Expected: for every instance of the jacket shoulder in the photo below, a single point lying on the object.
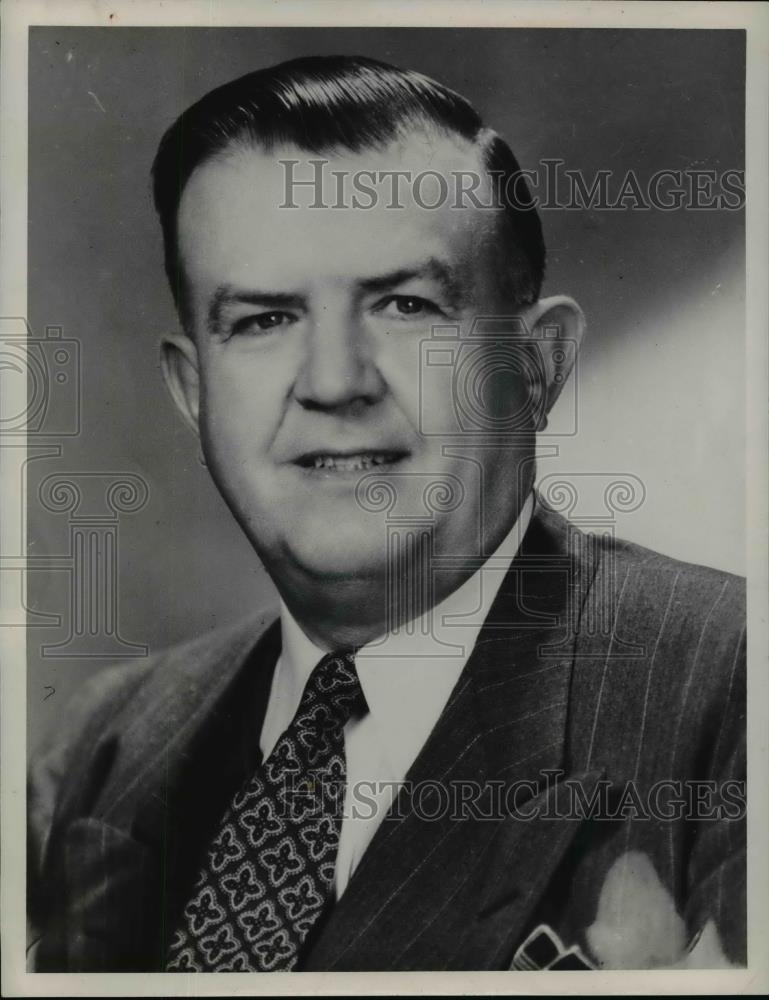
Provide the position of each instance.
(663, 636)
(110, 693)
(632, 578)
(660, 661)
(117, 705)
(687, 589)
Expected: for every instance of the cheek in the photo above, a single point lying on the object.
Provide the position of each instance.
(242, 402)
(401, 362)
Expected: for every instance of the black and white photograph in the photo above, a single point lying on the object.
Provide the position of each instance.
(384, 546)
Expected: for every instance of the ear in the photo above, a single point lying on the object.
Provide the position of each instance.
(557, 326)
(179, 364)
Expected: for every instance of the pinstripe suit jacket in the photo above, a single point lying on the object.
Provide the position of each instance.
(604, 675)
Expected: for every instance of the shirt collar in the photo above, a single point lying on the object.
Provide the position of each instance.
(407, 675)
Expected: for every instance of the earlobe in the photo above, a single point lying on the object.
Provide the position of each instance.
(557, 325)
(179, 365)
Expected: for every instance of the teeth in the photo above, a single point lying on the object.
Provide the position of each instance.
(350, 463)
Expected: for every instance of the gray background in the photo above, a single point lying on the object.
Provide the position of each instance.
(662, 370)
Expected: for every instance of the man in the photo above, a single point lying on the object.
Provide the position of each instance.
(475, 738)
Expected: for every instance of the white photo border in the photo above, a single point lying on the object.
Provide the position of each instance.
(17, 17)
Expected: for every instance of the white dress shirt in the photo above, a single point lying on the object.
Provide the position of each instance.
(406, 677)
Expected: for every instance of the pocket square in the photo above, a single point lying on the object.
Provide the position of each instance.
(637, 925)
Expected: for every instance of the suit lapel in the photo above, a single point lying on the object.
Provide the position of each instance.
(176, 716)
(418, 898)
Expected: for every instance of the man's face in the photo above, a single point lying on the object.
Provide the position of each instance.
(309, 326)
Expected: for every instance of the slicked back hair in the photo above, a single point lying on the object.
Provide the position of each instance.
(323, 104)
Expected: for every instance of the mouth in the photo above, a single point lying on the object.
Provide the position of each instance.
(349, 462)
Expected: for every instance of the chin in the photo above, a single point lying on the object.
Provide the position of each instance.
(337, 556)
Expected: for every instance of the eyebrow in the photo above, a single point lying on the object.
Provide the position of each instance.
(431, 269)
(228, 295)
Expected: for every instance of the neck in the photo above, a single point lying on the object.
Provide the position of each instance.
(354, 612)
(351, 611)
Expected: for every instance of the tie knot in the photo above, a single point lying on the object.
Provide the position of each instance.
(334, 683)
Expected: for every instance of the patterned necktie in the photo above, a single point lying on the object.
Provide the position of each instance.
(270, 868)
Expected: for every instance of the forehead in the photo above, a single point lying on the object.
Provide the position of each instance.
(235, 222)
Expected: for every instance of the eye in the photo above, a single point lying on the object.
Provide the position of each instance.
(407, 307)
(263, 322)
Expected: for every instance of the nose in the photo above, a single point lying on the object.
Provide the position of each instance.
(338, 368)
